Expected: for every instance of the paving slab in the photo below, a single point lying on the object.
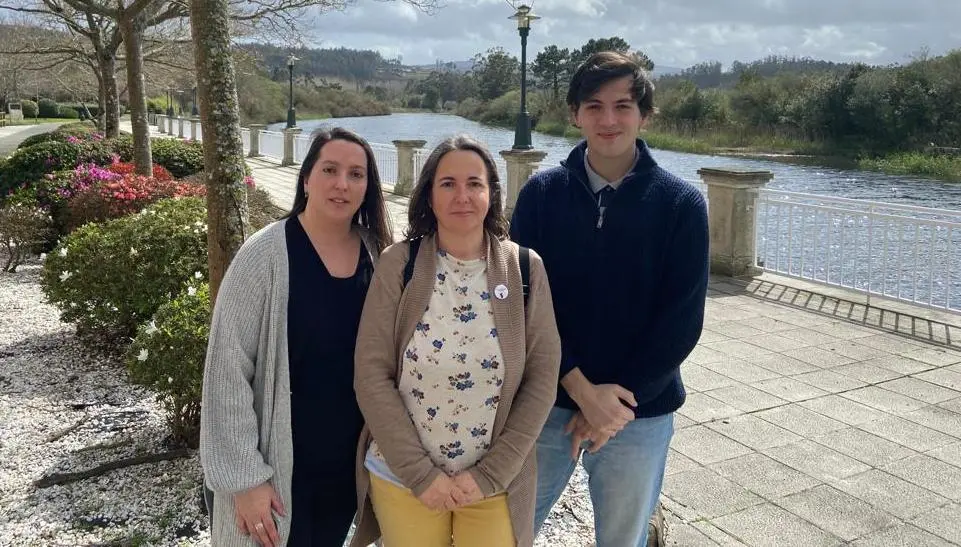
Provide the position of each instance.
(936, 475)
(768, 525)
(817, 460)
(764, 476)
(889, 493)
(865, 447)
(836, 512)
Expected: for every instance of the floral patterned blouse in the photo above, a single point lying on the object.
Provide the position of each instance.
(452, 370)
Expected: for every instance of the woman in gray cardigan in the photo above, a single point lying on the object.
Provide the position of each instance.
(279, 421)
(456, 369)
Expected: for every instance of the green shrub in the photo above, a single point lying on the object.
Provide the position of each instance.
(32, 163)
(157, 105)
(23, 229)
(181, 158)
(29, 108)
(84, 130)
(48, 108)
(122, 146)
(70, 112)
(109, 278)
(502, 110)
(167, 356)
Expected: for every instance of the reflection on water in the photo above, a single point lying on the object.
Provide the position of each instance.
(799, 176)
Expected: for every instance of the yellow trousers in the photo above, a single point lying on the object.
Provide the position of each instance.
(406, 522)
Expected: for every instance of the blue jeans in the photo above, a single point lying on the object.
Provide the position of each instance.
(625, 476)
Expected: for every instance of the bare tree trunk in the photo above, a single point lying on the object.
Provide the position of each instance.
(132, 30)
(110, 100)
(223, 148)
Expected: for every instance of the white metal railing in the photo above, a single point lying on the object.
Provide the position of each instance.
(386, 157)
(901, 252)
(244, 139)
(420, 157)
(301, 147)
(272, 144)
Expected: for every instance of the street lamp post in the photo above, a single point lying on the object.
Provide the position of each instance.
(522, 133)
(170, 102)
(291, 113)
(194, 111)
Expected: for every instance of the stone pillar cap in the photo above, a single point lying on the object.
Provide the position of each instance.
(412, 143)
(257, 125)
(736, 174)
(534, 155)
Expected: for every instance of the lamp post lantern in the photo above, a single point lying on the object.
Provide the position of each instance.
(291, 113)
(522, 132)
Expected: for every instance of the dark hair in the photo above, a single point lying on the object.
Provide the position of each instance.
(373, 211)
(420, 217)
(606, 66)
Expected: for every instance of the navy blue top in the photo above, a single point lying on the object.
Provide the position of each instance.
(323, 313)
(629, 291)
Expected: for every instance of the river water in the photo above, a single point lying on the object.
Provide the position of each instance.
(850, 183)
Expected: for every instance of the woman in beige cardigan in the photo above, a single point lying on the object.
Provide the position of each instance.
(455, 368)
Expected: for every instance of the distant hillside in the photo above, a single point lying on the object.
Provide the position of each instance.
(710, 74)
(359, 67)
(457, 66)
(661, 71)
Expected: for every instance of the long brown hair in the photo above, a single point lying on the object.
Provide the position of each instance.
(420, 217)
(373, 210)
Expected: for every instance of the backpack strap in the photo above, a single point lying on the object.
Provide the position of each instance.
(414, 247)
(524, 257)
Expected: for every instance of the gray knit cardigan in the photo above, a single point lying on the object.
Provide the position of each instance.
(245, 436)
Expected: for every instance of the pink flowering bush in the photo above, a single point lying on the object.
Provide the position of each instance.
(97, 194)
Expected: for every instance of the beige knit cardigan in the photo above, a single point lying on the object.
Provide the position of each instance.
(531, 349)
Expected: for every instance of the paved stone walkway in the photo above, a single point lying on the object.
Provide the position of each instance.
(810, 419)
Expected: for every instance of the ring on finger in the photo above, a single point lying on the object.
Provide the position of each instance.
(259, 527)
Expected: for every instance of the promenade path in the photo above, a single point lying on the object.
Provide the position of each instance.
(811, 419)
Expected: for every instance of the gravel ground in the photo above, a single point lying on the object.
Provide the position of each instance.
(48, 384)
(64, 408)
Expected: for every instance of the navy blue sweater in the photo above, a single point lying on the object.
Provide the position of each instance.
(629, 296)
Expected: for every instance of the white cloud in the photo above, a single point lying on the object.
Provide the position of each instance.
(671, 32)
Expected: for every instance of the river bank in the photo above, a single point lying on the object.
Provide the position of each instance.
(940, 167)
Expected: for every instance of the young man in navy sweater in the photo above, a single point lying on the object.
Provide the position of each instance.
(625, 244)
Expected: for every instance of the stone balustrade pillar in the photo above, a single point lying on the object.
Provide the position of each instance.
(732, 207)
(180, 131)
(194, 123)
(406, 175)
(289, 144)
(170, 125)
(162, 123)
(255, 129)
(521, 164)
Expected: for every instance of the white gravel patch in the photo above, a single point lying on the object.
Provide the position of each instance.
(49, 382)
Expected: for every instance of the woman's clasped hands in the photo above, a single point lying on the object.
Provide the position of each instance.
(447, 493)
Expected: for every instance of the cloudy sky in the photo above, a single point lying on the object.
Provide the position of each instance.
(676, 33)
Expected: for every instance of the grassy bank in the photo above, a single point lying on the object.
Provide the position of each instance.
(37, 121)
(913, 163)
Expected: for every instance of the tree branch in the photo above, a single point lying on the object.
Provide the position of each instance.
(66, 478)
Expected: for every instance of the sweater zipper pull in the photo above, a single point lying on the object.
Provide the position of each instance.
(600, 218)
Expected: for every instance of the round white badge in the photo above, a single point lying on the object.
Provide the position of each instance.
(500, 292)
